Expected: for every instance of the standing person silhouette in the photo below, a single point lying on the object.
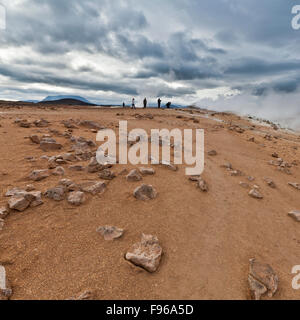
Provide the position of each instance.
(145, 103)
(133, 104)
(159, 102)
(123, 104)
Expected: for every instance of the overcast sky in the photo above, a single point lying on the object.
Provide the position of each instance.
(225, 53)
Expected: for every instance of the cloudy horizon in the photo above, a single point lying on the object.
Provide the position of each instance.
(227, 54)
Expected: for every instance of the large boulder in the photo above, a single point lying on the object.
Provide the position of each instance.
(146, 254)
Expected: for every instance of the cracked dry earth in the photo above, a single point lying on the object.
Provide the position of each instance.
(208, 235)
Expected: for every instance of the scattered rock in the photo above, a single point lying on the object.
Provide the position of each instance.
(59, 171)
(56, 193)
(93, 187)
(227, 166)
(202, 185)
(70, 124)
(49, 144)
(19, 203)
(106, 174)
(262, 279)
(147, 171)
(146, 254)
(36, 198)
(110, 233)
(95, 166)
(91, 125)
(244, 185)
(30, 187)
(77, 168)
(5, 290)
(3, 212)
(86, 295)
(275, 155)
(270, 183)
(145, 192)
(24, 124)
(134, 175)
(212, 153)
(294, 185)
(76, 198)
(38, 175)
(295, 215)
(169, 166)
(236, 173)
(35, 138)
(41, 123)
(13, 192)
(254, 193)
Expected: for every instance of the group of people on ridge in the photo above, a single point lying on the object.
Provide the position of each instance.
(145, 102)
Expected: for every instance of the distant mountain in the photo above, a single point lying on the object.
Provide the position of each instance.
(68, 101)
(30, 101)
(55, 98)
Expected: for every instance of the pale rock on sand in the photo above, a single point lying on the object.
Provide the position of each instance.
(294, 185)
(86, 295)
(3, 212)
(38, 175)
(145, 192)
(169, 165)
(1, 224)
(110, 233)
(146, 254)
(202, 185)
(76, 198)
(29, 187)
(262, 279)
(134, 175)
(93, 187)
(5, 290)
(18, 203)
(147, 171)
(254, 193)
(295, 215)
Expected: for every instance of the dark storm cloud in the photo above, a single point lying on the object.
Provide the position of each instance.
(199, 44)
